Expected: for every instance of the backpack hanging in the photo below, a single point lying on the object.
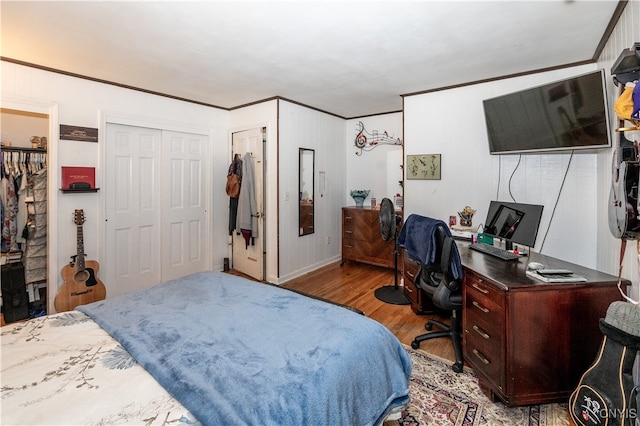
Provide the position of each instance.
(233, 178)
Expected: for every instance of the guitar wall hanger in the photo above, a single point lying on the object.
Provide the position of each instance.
(627, 67)
(74, 258)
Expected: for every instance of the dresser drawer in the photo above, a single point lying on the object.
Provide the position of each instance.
(361, 238)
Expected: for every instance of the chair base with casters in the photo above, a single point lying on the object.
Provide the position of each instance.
(452, 331)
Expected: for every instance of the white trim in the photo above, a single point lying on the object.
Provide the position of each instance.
(271, 239)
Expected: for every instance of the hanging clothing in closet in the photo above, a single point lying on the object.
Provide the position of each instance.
(234, 168)
(23, 209)
(35, 260)
(247, 221)
(11, 175)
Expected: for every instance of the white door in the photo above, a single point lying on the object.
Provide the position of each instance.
(132, 211)
(155, 207)
(183, 204)
(248, 257)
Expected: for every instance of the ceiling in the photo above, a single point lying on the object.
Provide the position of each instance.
(350, 59)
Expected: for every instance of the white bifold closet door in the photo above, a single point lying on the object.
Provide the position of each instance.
(155, 207)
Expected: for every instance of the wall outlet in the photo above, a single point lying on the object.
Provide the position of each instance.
(286, 196)
(328, 240)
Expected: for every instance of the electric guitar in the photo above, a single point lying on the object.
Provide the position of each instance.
(81, 285)
(624, 218)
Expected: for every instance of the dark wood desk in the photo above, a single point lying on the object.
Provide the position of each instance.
(530, 341)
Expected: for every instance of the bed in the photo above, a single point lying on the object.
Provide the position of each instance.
(209, 348)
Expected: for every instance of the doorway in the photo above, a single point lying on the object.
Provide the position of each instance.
(248, 254)
(155, 206)
(25, 245)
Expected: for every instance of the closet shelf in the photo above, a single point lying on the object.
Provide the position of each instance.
(23, 149)
(76, 191)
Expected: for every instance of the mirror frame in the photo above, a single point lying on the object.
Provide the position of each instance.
(306, 199)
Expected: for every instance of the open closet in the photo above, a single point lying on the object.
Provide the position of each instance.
(23, 214)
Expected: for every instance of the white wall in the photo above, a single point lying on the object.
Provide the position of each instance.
(451, 123)
(302, 127)
(379, 169)
(17, 128)
(82, 102)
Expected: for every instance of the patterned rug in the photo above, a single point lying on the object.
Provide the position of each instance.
(441, 397)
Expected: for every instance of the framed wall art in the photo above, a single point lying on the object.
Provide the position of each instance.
(426, 166)
(77, 133)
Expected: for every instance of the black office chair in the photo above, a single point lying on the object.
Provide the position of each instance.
(437, 283)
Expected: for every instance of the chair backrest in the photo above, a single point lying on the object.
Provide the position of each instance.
(436, 280)
(430, 274)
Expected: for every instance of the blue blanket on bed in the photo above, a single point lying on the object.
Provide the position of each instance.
(233, 351)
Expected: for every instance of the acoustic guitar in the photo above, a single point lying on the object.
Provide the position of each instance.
(624, 217)
(81, 284)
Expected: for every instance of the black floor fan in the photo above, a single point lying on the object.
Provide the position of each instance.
(389, 223)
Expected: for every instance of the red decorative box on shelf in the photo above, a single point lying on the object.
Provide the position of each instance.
(78, 178)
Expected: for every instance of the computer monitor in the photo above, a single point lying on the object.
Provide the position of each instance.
(515, 222)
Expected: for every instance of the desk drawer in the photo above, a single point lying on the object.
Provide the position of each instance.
(412, 293)
(483, 293)
(411, 268)
(420, 304)
(482, 311)
(485, 355)
(483, 323)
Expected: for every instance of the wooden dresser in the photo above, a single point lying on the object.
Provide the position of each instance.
(528, 341)
(361, 239)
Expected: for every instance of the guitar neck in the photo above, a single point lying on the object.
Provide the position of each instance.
(80, 255)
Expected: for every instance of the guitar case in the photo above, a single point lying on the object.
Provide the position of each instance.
(15, 300)
(606, 394)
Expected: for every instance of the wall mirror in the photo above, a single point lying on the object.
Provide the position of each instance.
(306, 194)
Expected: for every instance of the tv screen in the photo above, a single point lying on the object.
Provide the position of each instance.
(516, 222)
(565, 115)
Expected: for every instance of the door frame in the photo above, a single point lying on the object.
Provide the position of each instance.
(114, 117)
(262, 229)
(50, 109)
(270, 195)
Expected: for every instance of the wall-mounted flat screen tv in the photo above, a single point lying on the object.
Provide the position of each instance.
(564, 115)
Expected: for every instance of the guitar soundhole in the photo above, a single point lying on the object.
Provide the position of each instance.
(81, 276)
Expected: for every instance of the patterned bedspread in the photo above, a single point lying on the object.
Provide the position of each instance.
(64, 369)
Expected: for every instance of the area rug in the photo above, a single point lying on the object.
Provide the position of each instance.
(441, 397)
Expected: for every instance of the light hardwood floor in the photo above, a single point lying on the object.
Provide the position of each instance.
(354, 284)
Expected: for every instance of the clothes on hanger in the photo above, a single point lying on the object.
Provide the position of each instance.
(247, 220)
(234, 168)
